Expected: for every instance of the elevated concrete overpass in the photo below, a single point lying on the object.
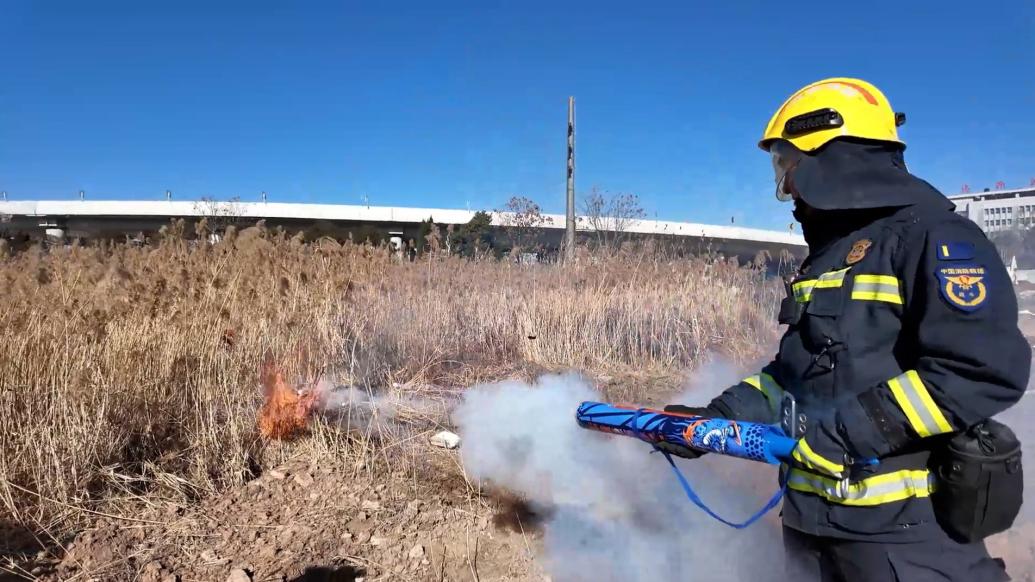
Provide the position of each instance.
(92, 219)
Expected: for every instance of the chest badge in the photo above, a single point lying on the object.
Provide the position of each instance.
(859, 249)
(964, 287)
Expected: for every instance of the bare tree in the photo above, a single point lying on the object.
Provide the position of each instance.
(218, 216)
(522, 220)
(610, 216)
(1016, 241)
(1009, 243)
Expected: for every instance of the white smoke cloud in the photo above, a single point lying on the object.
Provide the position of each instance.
(617, 511)
(363, 408)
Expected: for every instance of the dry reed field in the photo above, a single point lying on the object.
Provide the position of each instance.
(134, 375)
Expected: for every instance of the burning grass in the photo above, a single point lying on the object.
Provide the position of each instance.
(136, 375)
(285, 410)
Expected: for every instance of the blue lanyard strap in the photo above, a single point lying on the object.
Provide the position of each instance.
(773, 501)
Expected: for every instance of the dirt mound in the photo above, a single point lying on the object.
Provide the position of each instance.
(307, 521)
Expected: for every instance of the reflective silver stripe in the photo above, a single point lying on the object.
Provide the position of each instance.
(832, 279)
(915, 401)
(876, 288)
(876, 490)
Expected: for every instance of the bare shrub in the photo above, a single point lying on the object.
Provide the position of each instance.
(522, 221)
(610, 217)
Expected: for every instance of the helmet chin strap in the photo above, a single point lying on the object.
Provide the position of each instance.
(802, 211)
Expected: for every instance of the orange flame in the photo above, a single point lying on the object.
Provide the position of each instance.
(286, 410)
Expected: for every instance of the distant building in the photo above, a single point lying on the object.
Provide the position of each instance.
(998, 210)
(61, 220)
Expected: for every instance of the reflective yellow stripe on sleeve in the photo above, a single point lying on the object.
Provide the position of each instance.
(877, 490)
(915, 401)
(803, 290)
(767, 385)
(830, 280)
(804, 454)
(876, 288)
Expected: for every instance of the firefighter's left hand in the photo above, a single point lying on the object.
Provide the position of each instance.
(678, 450)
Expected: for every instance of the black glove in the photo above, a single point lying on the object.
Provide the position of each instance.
(681, 451)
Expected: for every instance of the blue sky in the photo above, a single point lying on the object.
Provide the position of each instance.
(462, 104)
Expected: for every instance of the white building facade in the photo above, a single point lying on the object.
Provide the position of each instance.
(999, 210)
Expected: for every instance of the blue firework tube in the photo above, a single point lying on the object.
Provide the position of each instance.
(746, 440)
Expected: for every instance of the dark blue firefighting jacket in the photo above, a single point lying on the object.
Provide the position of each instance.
(898, 334)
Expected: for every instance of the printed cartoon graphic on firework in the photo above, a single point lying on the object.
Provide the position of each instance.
(714, 438)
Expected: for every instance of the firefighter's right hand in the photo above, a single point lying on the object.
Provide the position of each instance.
(678, 450)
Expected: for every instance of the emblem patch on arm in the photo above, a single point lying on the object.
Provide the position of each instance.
(963, 286)
(858, 251)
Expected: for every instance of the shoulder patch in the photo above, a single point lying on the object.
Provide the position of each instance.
(963, 286)
(858, 251)
(955, 251)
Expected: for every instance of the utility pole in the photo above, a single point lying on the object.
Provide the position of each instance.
(569, 234)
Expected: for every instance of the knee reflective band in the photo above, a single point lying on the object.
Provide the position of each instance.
(875, 490)
(831, 280)
(916, 402)
(768, 386)
(877, 288)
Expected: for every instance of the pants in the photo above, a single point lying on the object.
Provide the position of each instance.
(817, 559)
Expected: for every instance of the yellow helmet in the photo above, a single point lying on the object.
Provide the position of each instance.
(833, 108)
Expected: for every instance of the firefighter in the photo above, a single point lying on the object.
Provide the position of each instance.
(901, 334)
